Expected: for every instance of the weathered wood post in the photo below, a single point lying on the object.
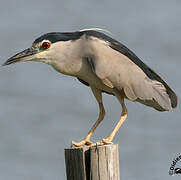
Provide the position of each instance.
(92, 163)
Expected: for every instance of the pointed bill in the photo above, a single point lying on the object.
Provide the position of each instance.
(26, 55)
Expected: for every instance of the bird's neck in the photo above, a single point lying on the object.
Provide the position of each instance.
(70, 57)
(72, 61)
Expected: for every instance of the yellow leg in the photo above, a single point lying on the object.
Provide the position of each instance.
(86, 140)
(124, 115)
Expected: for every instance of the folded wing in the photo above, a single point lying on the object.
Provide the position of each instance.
(139, 83)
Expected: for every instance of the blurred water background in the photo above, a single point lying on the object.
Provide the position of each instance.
(41, 111)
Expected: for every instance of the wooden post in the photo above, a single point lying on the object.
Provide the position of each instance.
(92, 163)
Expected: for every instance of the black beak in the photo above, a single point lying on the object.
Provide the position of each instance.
(26, 55)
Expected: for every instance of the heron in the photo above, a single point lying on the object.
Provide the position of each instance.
(106, 66)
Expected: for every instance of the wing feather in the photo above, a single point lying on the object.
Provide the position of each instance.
(120, 48)
(117, 71)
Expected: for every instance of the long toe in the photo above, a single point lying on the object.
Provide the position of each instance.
(107, 141)
(81, 143)
(103, 142)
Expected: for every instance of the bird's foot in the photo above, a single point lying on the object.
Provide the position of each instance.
(89, 143)
(107, 141)
(103, 142)
(81, 143)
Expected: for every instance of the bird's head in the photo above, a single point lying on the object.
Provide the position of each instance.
(47, 48)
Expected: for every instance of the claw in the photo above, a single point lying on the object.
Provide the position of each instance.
(103, 142)
(89, 143)
(81, 143)
(107, 141)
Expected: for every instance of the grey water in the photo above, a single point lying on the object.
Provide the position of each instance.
(42, 111)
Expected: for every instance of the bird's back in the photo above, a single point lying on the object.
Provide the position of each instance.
(117, 46)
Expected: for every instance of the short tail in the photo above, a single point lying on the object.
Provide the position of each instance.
(157, 95)
(172, 96)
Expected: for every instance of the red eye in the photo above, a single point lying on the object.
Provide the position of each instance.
(45, 45)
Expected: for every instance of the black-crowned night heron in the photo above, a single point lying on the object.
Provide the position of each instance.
(105, 65)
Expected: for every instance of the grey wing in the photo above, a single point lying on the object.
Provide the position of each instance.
(118, 71)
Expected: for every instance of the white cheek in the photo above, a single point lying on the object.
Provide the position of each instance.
(64, 50)
(43, 57)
